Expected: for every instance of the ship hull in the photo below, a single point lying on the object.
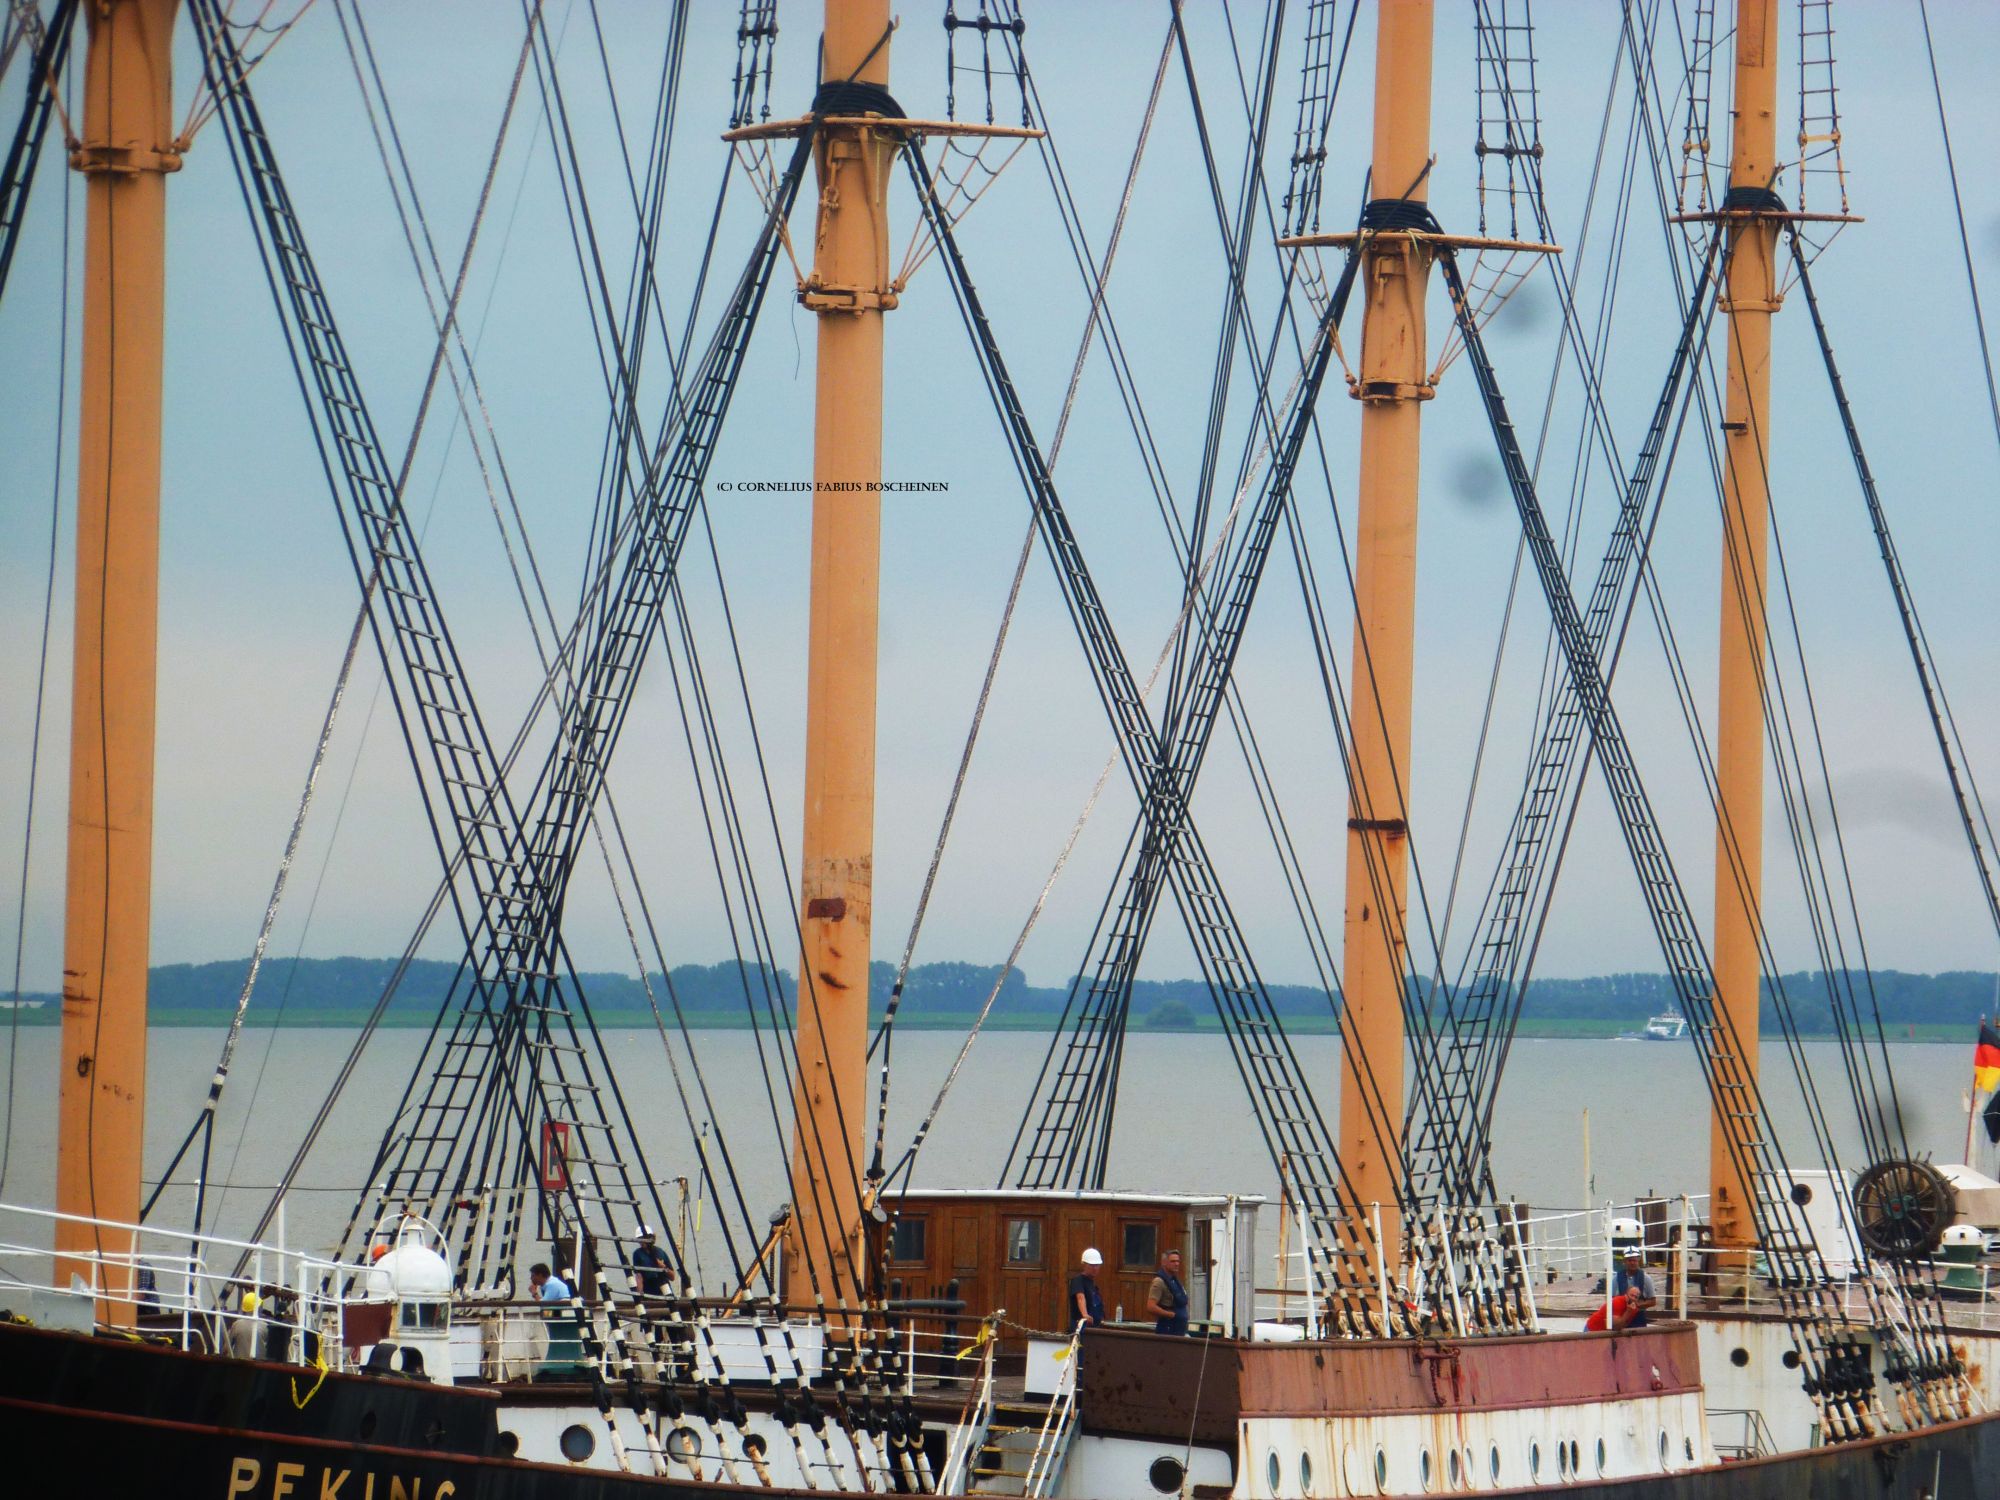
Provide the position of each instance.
(90, 1417)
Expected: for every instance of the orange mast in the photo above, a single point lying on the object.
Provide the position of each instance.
(849, 289)
(1746, 507)
(1394, 372)
(126, 151)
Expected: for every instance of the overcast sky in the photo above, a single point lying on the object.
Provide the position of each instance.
(258, 599)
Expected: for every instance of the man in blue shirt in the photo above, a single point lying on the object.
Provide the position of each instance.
(1086, 1298)
(1632, 1285)
(1167, 1297)
(547, 1286)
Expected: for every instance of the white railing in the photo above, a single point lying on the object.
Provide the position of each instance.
(170, 1282)
(978, 1416)
(1571, 1247)
(1052, 1442)
(1756, 1440)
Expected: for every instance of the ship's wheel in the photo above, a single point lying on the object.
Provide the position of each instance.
(1902, 1208)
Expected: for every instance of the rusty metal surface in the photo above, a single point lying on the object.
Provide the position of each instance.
(1153, 1384)
(1476, 1375)
(1143, 1383)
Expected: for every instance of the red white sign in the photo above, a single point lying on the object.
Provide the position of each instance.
(555, 1156)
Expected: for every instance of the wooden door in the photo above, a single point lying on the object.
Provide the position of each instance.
(1031, 1274)
(1200, 1269)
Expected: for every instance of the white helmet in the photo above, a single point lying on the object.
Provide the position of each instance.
(1092, 1258)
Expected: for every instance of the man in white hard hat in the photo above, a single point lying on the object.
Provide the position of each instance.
(1635, 1287)
(649, 1264)
(1086, 1299)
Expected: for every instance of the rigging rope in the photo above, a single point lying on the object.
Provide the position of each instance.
(847, 94)
(1099, 287)
(559, 668)
(205, 1121)
(49, 57)
(1958, 208)
(1385, 215)
(41, 683)
(1135, 413)
(1951, 745)
(1082, 1140)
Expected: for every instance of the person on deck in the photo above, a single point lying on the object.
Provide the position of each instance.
(547, 1286)
(244, 1335)
(1167, 1297)
(1086, 1298)
(1607, 1316)
(1637, 1291)
(649, 1264)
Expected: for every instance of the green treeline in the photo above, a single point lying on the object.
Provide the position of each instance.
(950, 994)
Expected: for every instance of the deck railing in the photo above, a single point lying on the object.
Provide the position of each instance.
(971, 1430)
(170, 1282)
(1567, 1248)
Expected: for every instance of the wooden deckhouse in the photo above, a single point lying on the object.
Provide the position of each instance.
(1014, 1251)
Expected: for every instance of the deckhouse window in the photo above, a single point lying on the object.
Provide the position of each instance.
(1141, 1250)
(426, 1314)
(1024, 1242)
(906, 1240)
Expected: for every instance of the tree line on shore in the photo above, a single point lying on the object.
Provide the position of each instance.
(951, 993)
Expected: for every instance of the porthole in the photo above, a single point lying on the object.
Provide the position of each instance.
(1802, 1193)
(1305, 1473)
(1790, 1359)
(507, 1444)
(1273, 1472)
(1562, 1460)
(1381, 1467)
(1688, 1443)
(1471, 1470)
(754, 1446)
(1452, 1473)
(1575, 1457)
(1493, 1463)
(577, 1443)
(1534, 1462)
(1424, 1468)
(1665, 1462)
(683, 1443)
(1600, 1455)
(1739, 1356)
(1166, 1475)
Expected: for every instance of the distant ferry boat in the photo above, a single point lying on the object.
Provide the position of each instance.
(1668, 1028)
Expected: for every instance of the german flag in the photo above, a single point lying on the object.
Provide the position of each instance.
(1986, 1058)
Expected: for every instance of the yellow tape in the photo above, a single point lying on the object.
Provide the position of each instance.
(319, 1359)
(984, 1336)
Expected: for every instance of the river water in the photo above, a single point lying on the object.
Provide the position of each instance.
(1184, 1123)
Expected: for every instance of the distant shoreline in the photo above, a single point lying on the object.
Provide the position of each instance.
(48, 1016)
(342, 993)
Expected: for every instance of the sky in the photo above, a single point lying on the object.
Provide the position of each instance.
(258, 598)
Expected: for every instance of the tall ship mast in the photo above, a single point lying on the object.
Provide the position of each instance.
(125, 154)
(546, 1283)
(849, 289)
(1394, 384)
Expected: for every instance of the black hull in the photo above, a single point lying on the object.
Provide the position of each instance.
(90, 1419)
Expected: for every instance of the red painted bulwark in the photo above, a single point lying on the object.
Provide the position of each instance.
(1143, 1384)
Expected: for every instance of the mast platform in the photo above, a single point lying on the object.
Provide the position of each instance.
(785, 129)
